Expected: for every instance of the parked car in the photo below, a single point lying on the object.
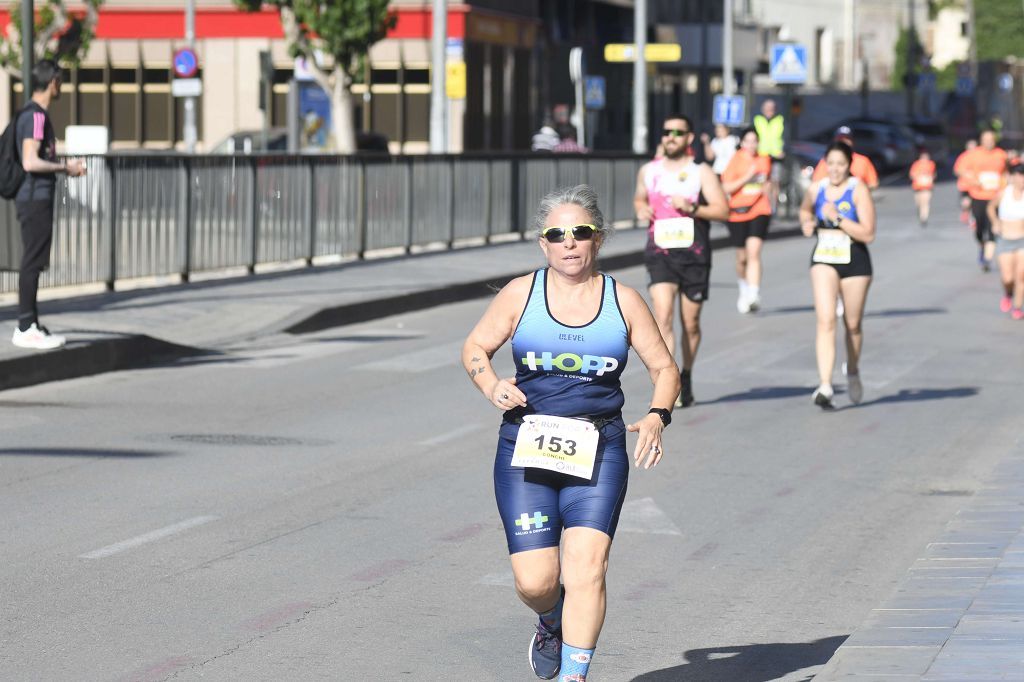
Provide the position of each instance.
(890, 146)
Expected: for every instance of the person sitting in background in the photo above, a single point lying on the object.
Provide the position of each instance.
(567, 143)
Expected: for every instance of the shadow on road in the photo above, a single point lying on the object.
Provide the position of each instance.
(80, 452)
(749, 663)
(763, 393)
(910, 395)
(890, 312)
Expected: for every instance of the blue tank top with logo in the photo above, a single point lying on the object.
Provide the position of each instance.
(844, 205)
(570, 371)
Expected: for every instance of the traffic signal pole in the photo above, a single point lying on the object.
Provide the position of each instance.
(28, 40)
(640, 78)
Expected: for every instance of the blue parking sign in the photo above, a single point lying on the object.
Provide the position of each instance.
(593, 92)
(730, 110)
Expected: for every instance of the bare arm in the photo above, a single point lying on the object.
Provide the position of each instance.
(717, 207)
(646, 340)
(31, 162)
(735, 185)
(808, 221)
(641, 205)
(993, 212)
(490, 334)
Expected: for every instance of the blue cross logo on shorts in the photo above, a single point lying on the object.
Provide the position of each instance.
(538, 520)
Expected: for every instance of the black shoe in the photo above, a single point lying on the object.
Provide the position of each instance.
(686, 393)
(823, 399)
(546, 652)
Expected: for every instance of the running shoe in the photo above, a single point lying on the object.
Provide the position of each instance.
(743, 303)
(38, 337)
(823, 397)
(755, 304)
(840, 308)
(1017, 314)
(854, 387)
(1005, 304)
(686, 394)
(546, 652)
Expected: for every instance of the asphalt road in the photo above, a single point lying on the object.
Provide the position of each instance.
(320, 506)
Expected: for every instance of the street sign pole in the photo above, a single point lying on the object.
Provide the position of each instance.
(28, 40)
(640, 78)
(576, 75)
(438, 96)
(727, 68)
(190, 133)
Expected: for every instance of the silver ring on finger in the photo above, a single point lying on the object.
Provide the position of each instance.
(655, 449)
(504, 396)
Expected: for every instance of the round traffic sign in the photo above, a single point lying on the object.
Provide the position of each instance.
(185, 63)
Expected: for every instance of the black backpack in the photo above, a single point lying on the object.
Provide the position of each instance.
(12, 173)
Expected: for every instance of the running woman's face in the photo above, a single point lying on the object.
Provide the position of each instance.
(749, 143)
(571, 256)
(676, 138)
(988, 140)
(838, 167)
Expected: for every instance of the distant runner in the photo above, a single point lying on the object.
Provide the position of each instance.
(962, 184)
(862, 168)
(1006, 211)
(922, 180)
(747, 183)
(840, 211)
(983, 169)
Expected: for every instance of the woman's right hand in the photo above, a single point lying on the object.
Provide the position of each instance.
(505, 395)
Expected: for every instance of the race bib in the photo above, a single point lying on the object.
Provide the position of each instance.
(560, 444)
(674, 233)
(752, 188)
(989, 180)
(925, 181)
(833, 247)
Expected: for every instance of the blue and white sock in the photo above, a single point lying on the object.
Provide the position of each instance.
(575, 663)
(552, 620)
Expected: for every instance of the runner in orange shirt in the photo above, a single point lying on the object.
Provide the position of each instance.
(922, 180)
(862, 168)
(983, 169)
(747, 183)
(961, 182)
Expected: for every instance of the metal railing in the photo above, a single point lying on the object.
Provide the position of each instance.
(135, 216)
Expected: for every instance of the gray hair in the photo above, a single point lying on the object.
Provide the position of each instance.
(581, 195)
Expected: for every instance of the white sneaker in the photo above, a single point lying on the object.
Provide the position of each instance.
(854, 387)
(822, 397)
(38, 337)
(754, 300)
(743, 303)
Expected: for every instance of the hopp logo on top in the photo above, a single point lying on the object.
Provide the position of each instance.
(570, 362)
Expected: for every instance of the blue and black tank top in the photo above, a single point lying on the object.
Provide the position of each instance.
(571, 371)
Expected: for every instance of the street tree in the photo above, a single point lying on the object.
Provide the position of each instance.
(334, 37)
(60, 34)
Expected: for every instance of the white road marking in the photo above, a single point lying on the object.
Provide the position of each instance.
(452, 435)
(644, 516)
(151, 536)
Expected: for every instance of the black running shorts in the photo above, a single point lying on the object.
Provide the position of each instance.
(674, 267)
(739, 231)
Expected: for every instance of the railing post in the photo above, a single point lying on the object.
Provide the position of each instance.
(254, 222)
(489, 201)
(111, 223)
(514, 203)
(409, 208)
(362, 220)
(185, 210)
(451, 202)
(311, 210)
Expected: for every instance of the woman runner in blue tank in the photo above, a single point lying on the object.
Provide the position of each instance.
(840, 212)
(561, 461)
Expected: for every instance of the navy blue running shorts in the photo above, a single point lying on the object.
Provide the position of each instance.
(535, 504)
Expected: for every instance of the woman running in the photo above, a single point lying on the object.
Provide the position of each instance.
(561, 461)
(1007, 214)
(839, 210)
(922, 180)
(747, 183)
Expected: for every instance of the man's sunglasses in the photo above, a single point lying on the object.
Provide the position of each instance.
(674, 132)
(556, 233)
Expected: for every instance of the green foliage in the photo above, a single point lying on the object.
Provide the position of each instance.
(343, 29)
(945, 78)
(59, 34)
(899, 70)
(999, 25)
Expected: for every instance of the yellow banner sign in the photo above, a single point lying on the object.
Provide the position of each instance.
(455, 80)
(653, 52)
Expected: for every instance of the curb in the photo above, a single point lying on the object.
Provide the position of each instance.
(138, 350)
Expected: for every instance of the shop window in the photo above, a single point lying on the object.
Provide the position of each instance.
(121, 75)
(157, 123)
(417, 117)
(60, 112)
(417, 76)
(123, 126)
(384, 110)
(384, 76)
(90, 76)
(156, 76)
(90, 108)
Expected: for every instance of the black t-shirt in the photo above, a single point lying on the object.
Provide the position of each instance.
(34, 124)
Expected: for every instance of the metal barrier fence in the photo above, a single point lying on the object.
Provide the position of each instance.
(149, 215)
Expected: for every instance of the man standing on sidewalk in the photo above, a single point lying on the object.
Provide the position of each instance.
(771, 129)
(37, 145)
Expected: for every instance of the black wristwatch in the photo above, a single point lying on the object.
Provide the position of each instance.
(666, 416)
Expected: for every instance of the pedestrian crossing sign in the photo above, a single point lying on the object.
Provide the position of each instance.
(789, 63)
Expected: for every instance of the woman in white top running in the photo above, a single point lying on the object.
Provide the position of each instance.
(1006, 211)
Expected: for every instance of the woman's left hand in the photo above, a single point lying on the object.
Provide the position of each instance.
(648, 444)
(829, 212)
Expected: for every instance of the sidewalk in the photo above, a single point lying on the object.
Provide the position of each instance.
(123, 330)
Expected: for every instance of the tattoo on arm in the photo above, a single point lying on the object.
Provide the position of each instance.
(476, 371)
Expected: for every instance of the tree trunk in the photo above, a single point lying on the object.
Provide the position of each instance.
(341, 114)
